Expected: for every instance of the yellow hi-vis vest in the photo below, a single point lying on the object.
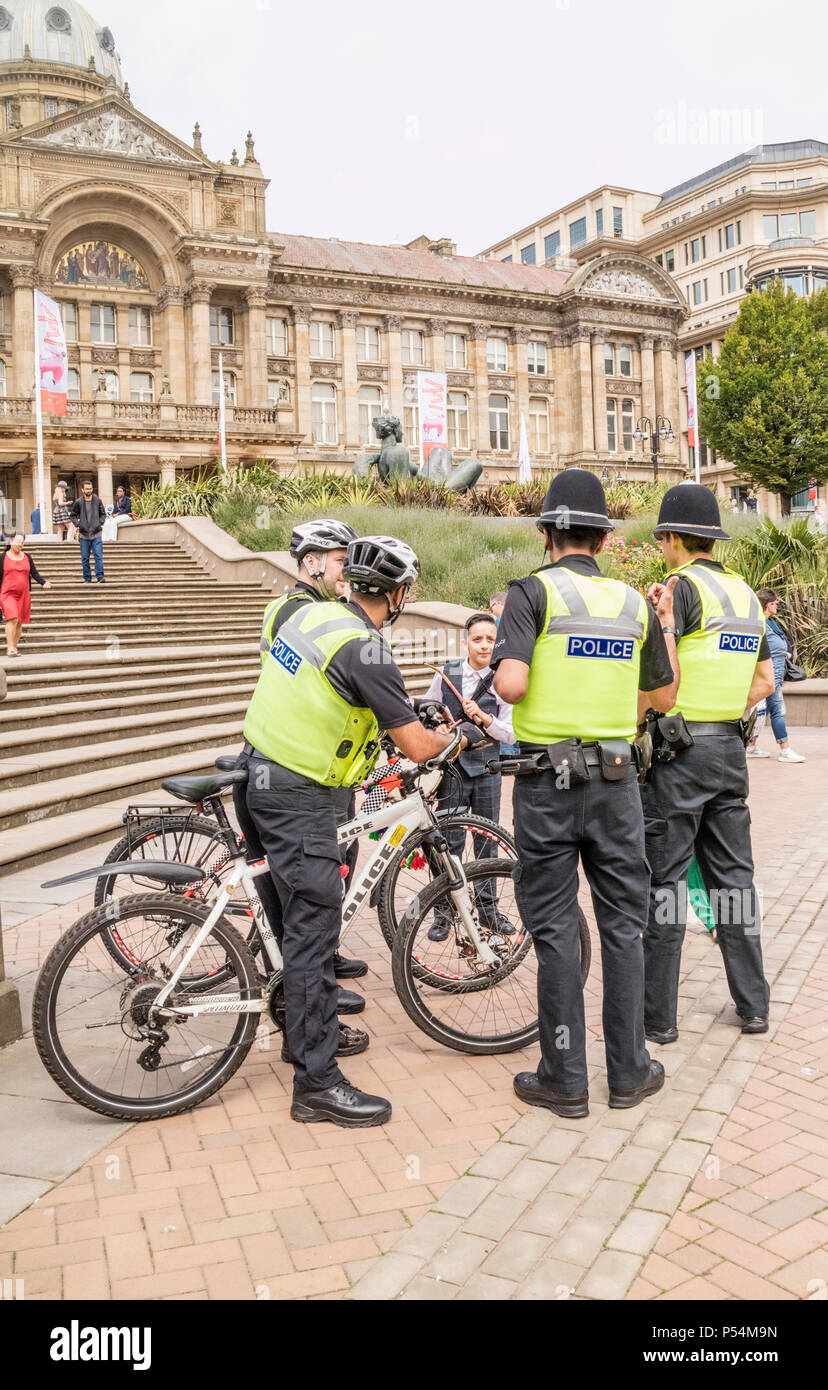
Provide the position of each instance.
(296, 600)
(295, 717)
(718, 661)
(583, 679)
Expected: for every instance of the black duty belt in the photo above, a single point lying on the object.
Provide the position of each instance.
(590, 751)
(700, 729)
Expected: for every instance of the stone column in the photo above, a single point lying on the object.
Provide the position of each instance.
(23, 280)
(256, 346)
(520, 337)
(480, 440)
(436, 351)
(648, 396)
(599, 392)
(304, 414)
(201, 360)
(666, 389)
(350, 378)
(560, 407)
(581, 369)
(396, 399)
(172, 340)
(168, 463)
(104, 464)
(11, 1023)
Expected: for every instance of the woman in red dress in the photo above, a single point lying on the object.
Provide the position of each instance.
(16, 574)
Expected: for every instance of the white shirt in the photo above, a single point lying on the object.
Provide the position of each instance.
(501, 725)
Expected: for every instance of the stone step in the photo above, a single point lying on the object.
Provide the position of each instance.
(23, 713)
(35, 788)
(252, 609)
(41, 734)
(80, 685)
(152, 637)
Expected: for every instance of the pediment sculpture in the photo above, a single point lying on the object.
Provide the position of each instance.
(622, 282)
(111, 132)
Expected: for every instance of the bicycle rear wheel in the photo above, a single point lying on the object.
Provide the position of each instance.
(95, 1027)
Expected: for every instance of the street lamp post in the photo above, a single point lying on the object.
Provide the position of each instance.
(644, 430)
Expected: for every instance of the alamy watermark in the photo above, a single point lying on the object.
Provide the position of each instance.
(708, 125)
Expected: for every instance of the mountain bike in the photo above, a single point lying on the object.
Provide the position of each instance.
(162, 1033)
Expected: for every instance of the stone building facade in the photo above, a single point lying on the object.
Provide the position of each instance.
(161, 260)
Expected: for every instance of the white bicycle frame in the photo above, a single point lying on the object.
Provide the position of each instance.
(398, 819)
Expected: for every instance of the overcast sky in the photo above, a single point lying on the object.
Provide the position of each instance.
(379, 121)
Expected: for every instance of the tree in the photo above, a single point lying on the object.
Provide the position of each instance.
(763, 404)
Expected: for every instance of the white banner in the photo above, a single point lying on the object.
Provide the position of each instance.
(692, 407)
(222, 415)
(432, 402)
(52, 357)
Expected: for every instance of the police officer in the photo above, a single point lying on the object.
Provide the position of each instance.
(326, 688)
(573, 650)
(698, 796)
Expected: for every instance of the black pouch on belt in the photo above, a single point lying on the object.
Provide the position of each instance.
(616, 758)
(567, 759)
(674, 732)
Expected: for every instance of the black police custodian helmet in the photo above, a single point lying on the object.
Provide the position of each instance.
(690, 510)
(575, 498)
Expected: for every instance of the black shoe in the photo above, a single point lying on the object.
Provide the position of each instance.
(530, 1089)
(101, 580)
(439, 931)
(498, 924)
(351, 1041)
(661, 1035)
(625, 1100)
(349, 1002)
(341, 1104)
(345, 969)
(759, 1024)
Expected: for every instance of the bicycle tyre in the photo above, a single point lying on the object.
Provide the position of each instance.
(389, 916)
(59, 961)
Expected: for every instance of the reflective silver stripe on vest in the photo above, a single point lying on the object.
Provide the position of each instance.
(734, 625)
(332, 625)
(579, 622)
(300, 643)
(755, 622)
(717, 589)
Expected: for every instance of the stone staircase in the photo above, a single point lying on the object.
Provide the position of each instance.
(118, 686)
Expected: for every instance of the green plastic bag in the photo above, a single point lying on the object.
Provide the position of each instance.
(697, 896)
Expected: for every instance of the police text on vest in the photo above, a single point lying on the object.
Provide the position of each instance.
(610, 648)
(738, 642)
(286, 656)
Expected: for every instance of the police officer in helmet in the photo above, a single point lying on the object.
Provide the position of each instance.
(696, 795)
(574, 648)
(327, 687)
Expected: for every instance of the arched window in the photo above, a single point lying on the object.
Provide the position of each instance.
(458, 420)
(323, 402)
(499, 422)
(370, 405)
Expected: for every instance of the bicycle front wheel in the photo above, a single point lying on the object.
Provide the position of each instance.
(96, 1027)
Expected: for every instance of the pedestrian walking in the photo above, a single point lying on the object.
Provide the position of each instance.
(61, 512)
(695, 799)
(574, 649)
(781, 651)
(17, 570)
(89, 514)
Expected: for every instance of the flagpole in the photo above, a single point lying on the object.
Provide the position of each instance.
(222, 416)
(45, 517)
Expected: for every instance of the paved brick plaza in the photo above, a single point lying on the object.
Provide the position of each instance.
(716, 1188)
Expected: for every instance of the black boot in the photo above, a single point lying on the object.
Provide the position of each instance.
(340, 1104)
(531, 1089)
(625, 1100)
(345, 969)
(349, 1002)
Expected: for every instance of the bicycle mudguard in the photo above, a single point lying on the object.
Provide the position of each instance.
(164, 871)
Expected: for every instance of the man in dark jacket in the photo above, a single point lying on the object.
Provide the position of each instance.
(89, 515)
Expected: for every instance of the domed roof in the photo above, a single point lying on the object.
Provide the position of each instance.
(65, 33)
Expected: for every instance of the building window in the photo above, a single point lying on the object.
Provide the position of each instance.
(106, 384)
(609, 359)
(73, 384)
(322, 340)
(50, 108)
(12, 112)
(497, 356)
(221, 326)
(413, 347)
(612, 427)
(770, 226)
(538, 425)
(276, 331)
(323, 402)
(140, 386)
(458, 420)
(370, 406)
(786, 183)
(552, 245)
(577, 233)
(367, 343)
(102, 323)
(768, 185)
(618, 221)
(276, 392)
(695, 249)
(411, 427)
(731, 281)
(499, 422)
(669, 260)
(2, 377)
(803, 183)
(659, 260)
(796, 282)
(625, 361)
(699, 291)
(69, 318)
(738, 233)
(229, 388)
(788, 224)
(536, 358)
(140, 327)
(807, 223)
(507, 260)
(455, 350)
(528, 255)
(729, 236)
(627, 426)
(599, 222)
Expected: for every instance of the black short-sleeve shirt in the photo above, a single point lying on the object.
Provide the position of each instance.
(687, 605)
(366, 674)
(524, 616)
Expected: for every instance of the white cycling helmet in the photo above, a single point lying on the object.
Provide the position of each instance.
(320, 536)
(380, 564)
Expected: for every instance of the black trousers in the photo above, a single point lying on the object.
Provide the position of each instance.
(698, 803)
(295, 824)
(481, 795)
(601, 824)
